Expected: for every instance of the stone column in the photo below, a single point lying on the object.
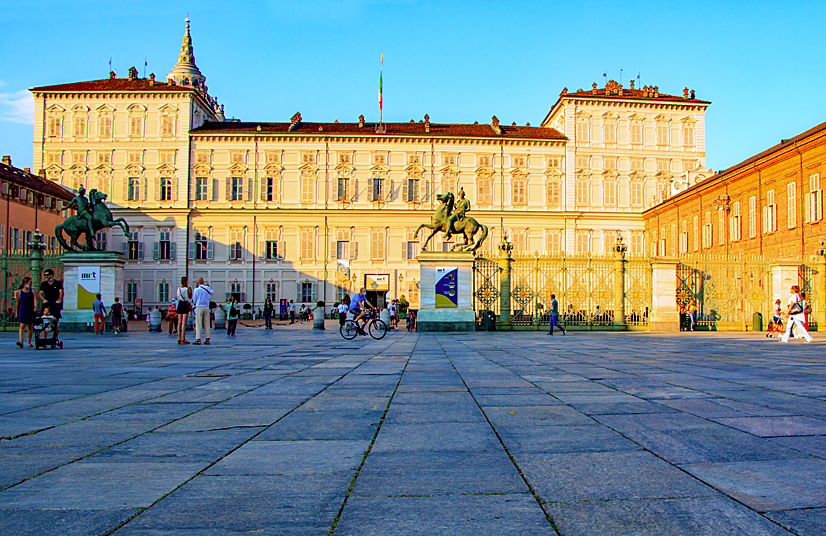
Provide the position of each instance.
(36, 247)
(505, 261)
(664, 315)
(437, 314)
(619, 284)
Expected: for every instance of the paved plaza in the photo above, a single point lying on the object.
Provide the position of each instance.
(296, 432)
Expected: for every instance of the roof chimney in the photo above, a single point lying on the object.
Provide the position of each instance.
(656, 91)
(361, 121)
(631, 83)
(294, 121)
(111, 74)
(151, 79)
(594, 88)
(692, 94)
(133, 73)
(564, 91)
(42, 173)
(7, 160)
(28, 170)
(494, 123)
(685, 93)
(426, 123)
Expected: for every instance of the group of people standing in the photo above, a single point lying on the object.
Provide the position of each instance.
(50, 296)
(196, 302)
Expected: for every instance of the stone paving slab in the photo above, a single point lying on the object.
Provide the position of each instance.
(465, 433)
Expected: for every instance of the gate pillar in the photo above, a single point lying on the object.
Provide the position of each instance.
(820, 288)
(619, 284)
(783, 277)
(505, 261)
(664, 315)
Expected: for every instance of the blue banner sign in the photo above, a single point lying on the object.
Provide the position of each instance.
(447, 288)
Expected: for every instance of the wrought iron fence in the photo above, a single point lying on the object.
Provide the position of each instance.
(14, 269)
(485, 288)
(808, 274)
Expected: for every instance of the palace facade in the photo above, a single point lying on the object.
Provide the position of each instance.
(310, 211)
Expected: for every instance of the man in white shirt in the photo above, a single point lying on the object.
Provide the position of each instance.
(200, 297)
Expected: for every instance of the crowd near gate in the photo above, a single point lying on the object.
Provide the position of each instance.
(616, 291)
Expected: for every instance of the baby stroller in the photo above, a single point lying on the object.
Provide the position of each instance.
(45, 334)
(775, 328)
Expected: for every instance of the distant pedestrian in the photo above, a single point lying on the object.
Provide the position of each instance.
(51, 293)
(117, 315)
(149, 318)
(342, 313)
(25, 302)
(555, 316)
(302, 313)
(796, 316)
(201, 296)
(692, 313)
(183, 306)
(100, 314)
(292, 312)
(268, 312)
(172, 317)
(232, 316)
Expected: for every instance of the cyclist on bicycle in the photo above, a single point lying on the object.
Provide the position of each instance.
(357, 311)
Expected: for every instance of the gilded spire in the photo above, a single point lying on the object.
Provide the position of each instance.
(185, 72)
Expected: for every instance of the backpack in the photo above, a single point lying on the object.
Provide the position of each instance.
(233, 311)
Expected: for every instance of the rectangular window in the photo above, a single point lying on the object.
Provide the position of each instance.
(721, 227)
(164, 244)
(553, 241)
(131, 292)
(135, 126)
(519, 191)
(413, 292)
(134, 193)
(166, 125)
(752, 217)
(271, 290)
(236, 245)
(271, 249)
(688, 135)
(343, 189)
(308, 158)
(166, 189)
(342, 249)
(791, 205)
(610, 192)
(636, 244)
(636, 132)
(695, 232)
(582, 130)
(707, 231)
(80, 126)
(54, 127)
(583, 162)
(553, 193)
(662, 133)
(200, 188)
(269, 189)
(447, 246)
(583, 242)
(307, 244)
(102, 240)
(105, 124)
(684, 236)
(237, 189)
(163, 292)
(734, 222)
(484, 189)
(447, 160)
(582, 197)
(637, 164)
(308, 187)
(306, 292)
(201, 247)
(412, 250)
(814, 205)
(412, 190)
(377, 191)
(770, 213)
(637, 193)
(15, 242)
(379, 158)
(134, 247)
(609, 132)
(377, 244)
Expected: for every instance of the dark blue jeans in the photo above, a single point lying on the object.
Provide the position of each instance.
(554, 322)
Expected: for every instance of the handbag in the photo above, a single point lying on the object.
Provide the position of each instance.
(808, 309)
(796, 309)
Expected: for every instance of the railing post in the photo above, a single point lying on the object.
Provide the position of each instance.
(820, 288)
(619, 284)
(505, 261)
(36, 247)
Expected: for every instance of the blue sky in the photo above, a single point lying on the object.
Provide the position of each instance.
(456, 61)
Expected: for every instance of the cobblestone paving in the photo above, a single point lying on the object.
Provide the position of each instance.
(302, 433)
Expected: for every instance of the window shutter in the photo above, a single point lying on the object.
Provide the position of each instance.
(175, 188)
(124, 247)
(210, 189)
(298, 292)
(229, 188)
(155, 251)
(808, 203)
(818, 197)
(210, 250)
(404, 251)
(193, 190)
(144, 187)
(355, 190)
(263, 187)
(426, 191)
(315, 296)
(354, 250)
(281, 246)
(173, 251)
(370, 191)
(250, 186)
(389, 184)
(262, 249)
(158, 181)
(140, 250)
(333, 247)
(190, 252)
(406, 190)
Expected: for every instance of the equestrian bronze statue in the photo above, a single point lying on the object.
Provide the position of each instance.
(92, 216)
(450, 222)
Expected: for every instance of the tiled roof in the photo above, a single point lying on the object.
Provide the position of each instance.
(33, 182)
(391, 129)
(113, 84)
(634, 94)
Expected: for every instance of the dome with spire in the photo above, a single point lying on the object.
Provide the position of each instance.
(186, 73)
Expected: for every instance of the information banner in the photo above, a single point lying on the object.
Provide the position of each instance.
(447, 288)
(88, 284)
(377, 282)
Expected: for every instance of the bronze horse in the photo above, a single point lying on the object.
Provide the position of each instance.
(467, 226)
(74, 227)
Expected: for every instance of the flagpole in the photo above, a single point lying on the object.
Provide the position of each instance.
(380, 127)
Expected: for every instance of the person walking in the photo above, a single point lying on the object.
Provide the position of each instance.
(555, 316)
(342, 313)
(100, 314)
(292, 312)
(796, 316)
(302, 313)
(200, 296)
(268, 312)
(117, 315)
(172, 317)
(183, 306)
(51, 293)
(692, 313)
(25, 303)
(232, 316)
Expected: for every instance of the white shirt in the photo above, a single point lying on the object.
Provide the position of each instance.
(795, 298)
(391, 309)
(200, 296)
(342, 308)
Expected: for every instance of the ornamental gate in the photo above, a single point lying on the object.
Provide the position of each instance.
(808, 273)
(727, 291)
(15, 268)
(485, 287)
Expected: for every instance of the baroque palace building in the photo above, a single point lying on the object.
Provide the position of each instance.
(310, 211)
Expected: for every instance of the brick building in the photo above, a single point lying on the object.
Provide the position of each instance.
(28, 202)
(770, 204)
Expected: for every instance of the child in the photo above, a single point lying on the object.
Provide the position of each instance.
(48, 327)
(342, 313)
(47, 318)
(776, 325)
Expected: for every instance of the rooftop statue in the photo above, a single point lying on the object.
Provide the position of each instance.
(452, 219)
(92, 216)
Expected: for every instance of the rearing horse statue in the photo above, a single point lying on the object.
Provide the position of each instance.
(467, 226)
(76, 226)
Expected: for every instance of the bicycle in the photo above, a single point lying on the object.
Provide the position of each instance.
(375, 327)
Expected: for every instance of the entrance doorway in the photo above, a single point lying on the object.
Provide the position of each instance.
(377, 287)
(377, 298)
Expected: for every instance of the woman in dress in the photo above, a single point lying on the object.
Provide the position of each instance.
(182, 307)
(117, 315)
(25, 301)
(796, 316)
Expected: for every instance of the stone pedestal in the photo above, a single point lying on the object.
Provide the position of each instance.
(440, 314)
(80, 270)
(783, 277)
(664, 313)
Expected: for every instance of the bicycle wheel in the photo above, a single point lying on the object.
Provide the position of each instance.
(349, 330)
(378, 329)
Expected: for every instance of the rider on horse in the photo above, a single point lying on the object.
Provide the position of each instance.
(84, 209)
(459, 209)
